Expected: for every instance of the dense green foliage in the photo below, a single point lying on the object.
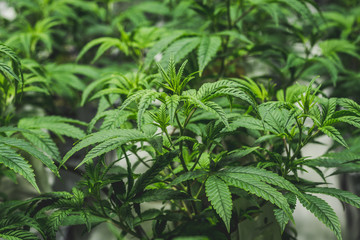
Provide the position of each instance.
(202, 106)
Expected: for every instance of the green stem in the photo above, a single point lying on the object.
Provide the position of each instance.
(244, 14)
(168, 137)
(142, 161)
(196, 162)
(199, 191)
(181, 143)
(188, 117)
(129, 171)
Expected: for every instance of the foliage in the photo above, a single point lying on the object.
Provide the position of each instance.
(204, 107)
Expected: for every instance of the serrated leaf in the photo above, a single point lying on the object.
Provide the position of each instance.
(247, 122)
(281, 217)
(18, 164)
(216, 108)
(350, 105)
(323, 212)
(134, 97)
(253, 185)
(238, 93)
(147, 178)
(188, 176)
(103, 136)
(18, 235)
(144, 103)
(28, 148)
(208, 106)
(160, 195)
(334, 134)
(106, 43)
(172, 103)
(56, 124)
(159, 47)
(330, 67)
(180, 48)
(236, 155)
(55, 221)
(301, 8)
(207, 50)
(109, 145)
(219, 195)
(44, 143)
(208, 89)
(342, 195)
(266, 176)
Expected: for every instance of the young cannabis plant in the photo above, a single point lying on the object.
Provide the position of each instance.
(25, 141)
(191, 167)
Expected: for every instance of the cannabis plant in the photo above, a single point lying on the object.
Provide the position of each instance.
(184, 142)
(175, 148)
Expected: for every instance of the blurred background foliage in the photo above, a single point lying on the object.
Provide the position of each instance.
(79, 58)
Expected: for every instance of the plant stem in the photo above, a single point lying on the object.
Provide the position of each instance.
(142, 161)
(244, 14)
(168, 137)
(181, 144)
(186, 209)
(188, 117)
(196, 162)
(199, 191)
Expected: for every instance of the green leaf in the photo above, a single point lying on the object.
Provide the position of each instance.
(15, 62)
(108, 91)
(8, 73)
(160, 195)
(335, 159)
(266, 176)
(159, 47)
(18, 235)
(334, 134)
(56, 124)
(112, 119)
(208, 106)
(238, 93)
(216, 108)
(106, 43)
(275, 119)
(236, 155)
(301, 8)
(207, 50)
(18, 164)
(219, 195)
(247, 122)
(350, 105)
(28, 148)
(78, 219)
(331, 47)
(330, 66)
(208, 89)
(343, 196)
(104, 136)
(323, 212)
(172, 103)
(148, 177)
(188, 176)
(111, 144)
(44, 143)
(281, 217)
(89, 88)
(180, 49)
(134, 97)
(55, 221)
(144, 103)
(253, 185)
